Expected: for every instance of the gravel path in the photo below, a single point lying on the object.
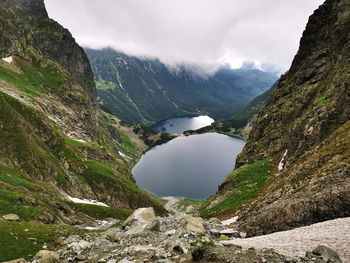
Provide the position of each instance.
(334, 234)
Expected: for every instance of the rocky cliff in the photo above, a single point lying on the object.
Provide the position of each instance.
(55, 141)
(146, 90)
(294, 169)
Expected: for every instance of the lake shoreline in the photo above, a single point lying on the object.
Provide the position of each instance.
(188, 166)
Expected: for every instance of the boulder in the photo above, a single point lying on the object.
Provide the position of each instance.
(45, 256)
(327, 254)
(140, 220)
(194, 225)
(11, 217)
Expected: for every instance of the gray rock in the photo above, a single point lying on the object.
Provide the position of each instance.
(80, 246)
(327, 254)
(140, 220)
(194, 225)
(45, 256)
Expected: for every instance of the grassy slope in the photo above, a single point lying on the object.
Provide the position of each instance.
(36, 156)
(243, 183)
(32, 155)
(25, 239)
(101, 212)
(38, 160)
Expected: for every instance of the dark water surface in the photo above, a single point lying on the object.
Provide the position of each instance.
(191, 166)
(181, 124)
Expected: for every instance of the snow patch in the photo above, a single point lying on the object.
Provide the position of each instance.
(86, 201)
(281, 164)
(333, 233)
(229, 221)
(121, 154)
(8, 59)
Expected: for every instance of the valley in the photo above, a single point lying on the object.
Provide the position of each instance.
(147, 91)
(111, 158)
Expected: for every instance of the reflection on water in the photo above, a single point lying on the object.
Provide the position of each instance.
(181, 124)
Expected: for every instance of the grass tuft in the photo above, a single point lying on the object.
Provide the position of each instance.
(102, 212)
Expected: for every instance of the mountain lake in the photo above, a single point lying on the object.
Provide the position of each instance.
(191, 166)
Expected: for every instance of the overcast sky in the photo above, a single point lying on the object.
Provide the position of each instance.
(202, 32)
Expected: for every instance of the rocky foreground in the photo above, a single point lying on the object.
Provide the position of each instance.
(179, 237)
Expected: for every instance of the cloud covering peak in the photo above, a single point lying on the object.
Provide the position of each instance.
(201, 32)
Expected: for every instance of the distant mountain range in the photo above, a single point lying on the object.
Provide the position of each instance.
(146, 90)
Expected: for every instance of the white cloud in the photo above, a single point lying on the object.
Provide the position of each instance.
(202, 32)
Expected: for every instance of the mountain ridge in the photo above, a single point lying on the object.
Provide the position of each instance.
(146, 90)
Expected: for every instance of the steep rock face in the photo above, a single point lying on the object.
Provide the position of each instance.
(28, 7)
(312, 99)
(30, 36)
(29, 30)
(146, 90)
(55, 141)
(304, 130)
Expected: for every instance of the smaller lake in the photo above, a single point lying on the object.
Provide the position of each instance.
(190, 166)
(181, 124)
